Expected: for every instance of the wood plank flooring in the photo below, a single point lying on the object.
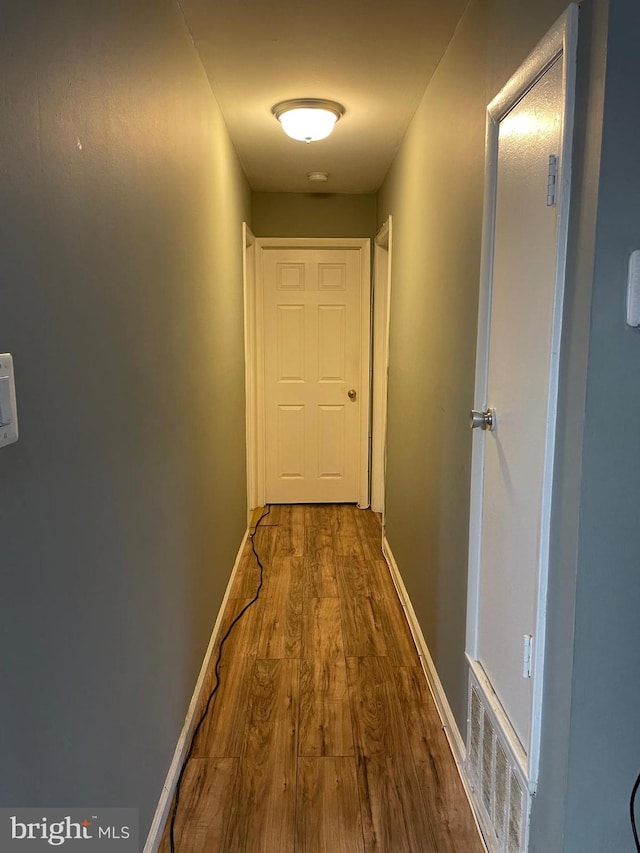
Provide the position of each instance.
(323, 736)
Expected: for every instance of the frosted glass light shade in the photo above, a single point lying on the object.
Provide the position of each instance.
(308, 120)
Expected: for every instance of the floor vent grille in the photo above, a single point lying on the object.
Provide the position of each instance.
(499, 788)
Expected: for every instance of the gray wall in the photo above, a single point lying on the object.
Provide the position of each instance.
(604, 744)
(313, 215)
(121, 300)
(434, 192)
(590, 745)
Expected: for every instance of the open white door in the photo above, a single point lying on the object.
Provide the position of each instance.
(525, 232)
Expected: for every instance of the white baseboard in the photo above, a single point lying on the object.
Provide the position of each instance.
(449, 724)
(166, 797)
(440, 697)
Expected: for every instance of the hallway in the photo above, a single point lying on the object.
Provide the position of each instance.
(323, 735)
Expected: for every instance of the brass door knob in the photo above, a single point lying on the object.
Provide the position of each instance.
(352, 394)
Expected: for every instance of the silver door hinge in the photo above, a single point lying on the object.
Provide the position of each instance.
(526, 656)
(552, 180)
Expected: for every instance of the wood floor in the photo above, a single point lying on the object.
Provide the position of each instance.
(323, 737)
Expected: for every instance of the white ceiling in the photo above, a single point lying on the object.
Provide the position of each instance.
(373, 56)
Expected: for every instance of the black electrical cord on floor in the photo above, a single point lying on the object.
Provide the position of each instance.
(632, 812)
(217, 674)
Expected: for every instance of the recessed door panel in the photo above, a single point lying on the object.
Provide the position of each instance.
(331, 343)
(290, 277)
(331, 446)
(332, 276)
(291, 343)
(291, 436)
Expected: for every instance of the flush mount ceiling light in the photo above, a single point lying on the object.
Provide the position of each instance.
(308, 119)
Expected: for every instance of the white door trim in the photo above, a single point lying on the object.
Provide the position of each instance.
(255, 336)
(381, 315)
(561, 40)
(249, 286)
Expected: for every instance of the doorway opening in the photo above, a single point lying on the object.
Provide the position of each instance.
(308, 310)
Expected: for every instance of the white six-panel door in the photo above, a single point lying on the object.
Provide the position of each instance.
(315, 341)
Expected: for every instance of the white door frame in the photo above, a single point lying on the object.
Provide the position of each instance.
(560, 41)
(254, 346)
(249, 286)
(381, 315)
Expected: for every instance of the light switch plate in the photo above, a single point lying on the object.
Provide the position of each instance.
(633, 290)
(8, 410)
